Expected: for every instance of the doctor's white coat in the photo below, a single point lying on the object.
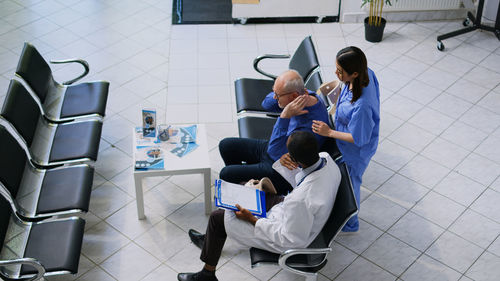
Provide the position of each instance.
(295, 222)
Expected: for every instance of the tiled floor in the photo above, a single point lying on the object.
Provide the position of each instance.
(430, 198)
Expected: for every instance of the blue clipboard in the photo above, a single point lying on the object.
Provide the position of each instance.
(260, 196)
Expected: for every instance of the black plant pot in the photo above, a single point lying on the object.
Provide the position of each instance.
(374, 33)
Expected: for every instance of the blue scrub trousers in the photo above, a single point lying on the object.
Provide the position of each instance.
(356, 174)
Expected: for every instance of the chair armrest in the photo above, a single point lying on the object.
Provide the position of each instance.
(257, 60)
(80, 61)
(28, 261)
(292, 252)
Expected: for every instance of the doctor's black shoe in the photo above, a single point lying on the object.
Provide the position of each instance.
(197, 276)
(197, 238)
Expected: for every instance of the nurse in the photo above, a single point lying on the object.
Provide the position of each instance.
(357, 118)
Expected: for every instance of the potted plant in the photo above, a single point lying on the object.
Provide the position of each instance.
(375, 23)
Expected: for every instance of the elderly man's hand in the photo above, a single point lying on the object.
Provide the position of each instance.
(296, 107)
(245, 215)
(287, 161)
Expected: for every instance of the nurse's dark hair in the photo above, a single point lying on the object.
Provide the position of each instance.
(303, 147)
(352, 59)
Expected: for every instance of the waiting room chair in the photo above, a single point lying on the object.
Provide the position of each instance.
(307, 262)
(250, 92)
(61, 102)
(256, 127)
(48, 144)
(31, 251)
(36, 194)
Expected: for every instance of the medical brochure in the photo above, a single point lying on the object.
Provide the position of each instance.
(149, 122)
(227, 195)
(149, 158)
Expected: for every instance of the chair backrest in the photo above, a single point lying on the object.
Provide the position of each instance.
(343, 209)
(21, 110)
(33, 68)
(304, 60)
(330, 146)
(313, 82)
(12, 162)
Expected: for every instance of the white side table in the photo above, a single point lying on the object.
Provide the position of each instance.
(196, 162)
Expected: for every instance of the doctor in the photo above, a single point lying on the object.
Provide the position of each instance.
(357, 118)
(293, 221)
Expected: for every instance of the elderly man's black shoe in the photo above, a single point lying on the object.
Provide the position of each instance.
(197, 238)
(198, 276)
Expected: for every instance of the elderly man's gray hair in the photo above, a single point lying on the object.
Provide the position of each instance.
(294, 85)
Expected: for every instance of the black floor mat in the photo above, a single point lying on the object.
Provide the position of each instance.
(201, 11)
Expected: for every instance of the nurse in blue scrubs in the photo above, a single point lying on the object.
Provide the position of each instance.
(357, 118)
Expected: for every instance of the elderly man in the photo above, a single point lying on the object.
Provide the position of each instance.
(292, 221)
(247, 159)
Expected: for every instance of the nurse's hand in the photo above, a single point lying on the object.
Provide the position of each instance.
(321, 128)
(245, 215)
(287, 161)
(295, 107)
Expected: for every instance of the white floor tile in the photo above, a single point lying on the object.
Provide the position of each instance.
(479, 169)
(438, 209)
(231, 271)
(454, 251)
(402, 191)
(464, 135)
(467, 90)
(427, 268)
(100, 204)
(445, 153)
(127, 222)
(375, 175)
(163, 241)
(380, 212)
(130, 263)
(487, 267)
(96, 274)
(391, 254)
(419, 92)
(416, 231)
(476, 228)
(101, 241)
(483, 77)
(486, 148)
(487, 205)
(400, 107)
(362, 269)
(459, 188)
(339, 259)
(450, 105)
(424, 171)
(161, 272)
(481, 118)
(412, 137)
(358, 242)
(470, 53)
(393, 155)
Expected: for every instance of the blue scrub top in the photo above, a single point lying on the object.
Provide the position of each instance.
(361, 119)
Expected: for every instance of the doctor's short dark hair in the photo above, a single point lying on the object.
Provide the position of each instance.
(303, 147)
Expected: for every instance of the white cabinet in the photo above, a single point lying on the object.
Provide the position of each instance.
(286, 8)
